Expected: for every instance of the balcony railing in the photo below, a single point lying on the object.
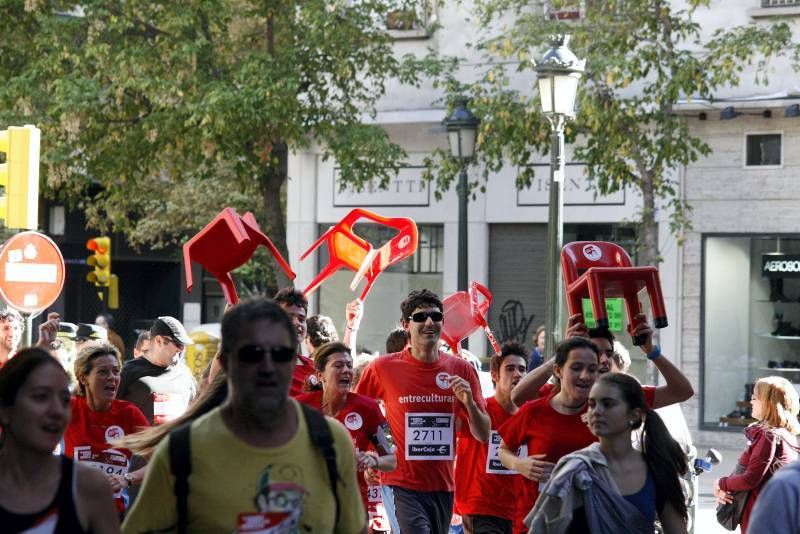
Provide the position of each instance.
(780, 3)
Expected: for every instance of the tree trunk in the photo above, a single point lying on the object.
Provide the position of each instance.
(648, 238)
(271, 183)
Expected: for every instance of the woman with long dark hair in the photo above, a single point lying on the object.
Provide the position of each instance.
(550, 427)
(772, 442)
(39, 490)
(361, 415)
(610, 486)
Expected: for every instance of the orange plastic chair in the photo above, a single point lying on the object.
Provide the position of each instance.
(598, 269)
(346, 249)
(226, 243)
(465, 312)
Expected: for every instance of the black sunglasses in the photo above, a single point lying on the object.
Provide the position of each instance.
(421, 317)
(255, 353)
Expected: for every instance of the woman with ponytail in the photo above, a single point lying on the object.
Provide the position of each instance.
(610, 486)
(772, 442)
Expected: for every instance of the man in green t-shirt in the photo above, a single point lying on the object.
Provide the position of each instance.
(254, 467)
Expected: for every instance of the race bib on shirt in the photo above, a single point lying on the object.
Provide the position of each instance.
(374, 494)
(167, 407)
(493, 464)
(109, 461)
(429, 436)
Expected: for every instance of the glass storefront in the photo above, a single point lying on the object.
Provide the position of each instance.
(382, 308)
(750, 321)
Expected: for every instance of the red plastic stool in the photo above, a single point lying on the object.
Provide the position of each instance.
(225, 243)
(465, 312)
(346, 249)
(598, 269)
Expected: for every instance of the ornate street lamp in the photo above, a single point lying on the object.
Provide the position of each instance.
(462, 130)
(558, 74)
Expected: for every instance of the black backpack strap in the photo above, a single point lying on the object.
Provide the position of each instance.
(181, 467)
(323, 439)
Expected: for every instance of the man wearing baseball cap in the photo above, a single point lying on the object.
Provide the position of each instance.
(159, 383)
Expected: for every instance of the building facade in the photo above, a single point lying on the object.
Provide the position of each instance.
(732, 300)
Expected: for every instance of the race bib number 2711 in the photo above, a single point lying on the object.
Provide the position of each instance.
(429, 436)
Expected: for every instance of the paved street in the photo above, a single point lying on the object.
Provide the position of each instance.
(706, 516)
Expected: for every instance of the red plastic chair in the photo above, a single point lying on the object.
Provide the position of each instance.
(465, 312)
(346, 249)
(598, 269)
(226, 243)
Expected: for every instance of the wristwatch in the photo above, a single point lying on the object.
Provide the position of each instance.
(129, 478)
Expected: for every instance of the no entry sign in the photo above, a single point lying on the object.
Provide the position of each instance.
(31, 272)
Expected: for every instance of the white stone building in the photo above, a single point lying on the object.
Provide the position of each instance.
(744, 196)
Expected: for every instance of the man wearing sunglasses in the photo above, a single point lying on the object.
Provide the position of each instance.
(254, 466)
(428, 395)
(158, 383)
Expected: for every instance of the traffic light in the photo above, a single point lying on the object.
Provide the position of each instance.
(100, 261)
(19, 208)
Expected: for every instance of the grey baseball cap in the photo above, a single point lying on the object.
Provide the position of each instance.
(172, 328)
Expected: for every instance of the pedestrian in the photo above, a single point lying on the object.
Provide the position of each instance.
(40, 490)
(158, 383)
(550, 427)
(610, 486)
(485, 493)
(319, 330)
(98, 418)
(106, 320)
(776, 509)
(260, 460)
(294, 303)
(142, 346)
(771, 442)
(360, 415)
(426, 393)
(11, 327)
(537, 354)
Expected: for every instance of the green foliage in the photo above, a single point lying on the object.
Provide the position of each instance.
(155, 114)
(643, 56)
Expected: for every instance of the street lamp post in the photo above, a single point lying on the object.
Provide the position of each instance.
(558, 74)
(462, 129)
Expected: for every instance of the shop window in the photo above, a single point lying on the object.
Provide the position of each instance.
(753, 331)
(763, 150)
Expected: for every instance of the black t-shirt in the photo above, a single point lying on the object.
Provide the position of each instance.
(162, 393)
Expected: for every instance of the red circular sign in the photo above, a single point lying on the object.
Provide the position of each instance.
(31, 272)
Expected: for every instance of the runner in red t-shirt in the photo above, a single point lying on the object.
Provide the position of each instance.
(296, 305)
(427, 394)
(485, 493)
(98, 418)
(550, 427)
(361, 416)
(677, 387)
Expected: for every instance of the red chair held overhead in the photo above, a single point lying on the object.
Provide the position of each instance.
(598, 269)
(465, 312)
(346, 249)
(226, 243)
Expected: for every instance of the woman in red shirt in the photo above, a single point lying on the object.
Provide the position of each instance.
(361, 415)
(772, 442)
(98, 418)
(552, 426)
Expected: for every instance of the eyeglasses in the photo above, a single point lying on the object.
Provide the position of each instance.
(421, 317)
(255, 353)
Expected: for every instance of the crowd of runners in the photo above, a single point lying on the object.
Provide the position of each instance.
(272, 441)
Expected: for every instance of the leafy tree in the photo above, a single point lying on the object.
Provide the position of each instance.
(156, 114)
(643, 56)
